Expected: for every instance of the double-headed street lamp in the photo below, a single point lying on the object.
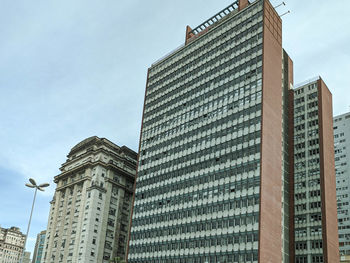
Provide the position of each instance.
(37, 187)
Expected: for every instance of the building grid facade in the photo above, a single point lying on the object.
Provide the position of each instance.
(314, 180)
(342, 168)
(235, 165)
(39, 247)
(203, 153)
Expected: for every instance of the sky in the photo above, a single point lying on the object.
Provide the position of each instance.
(73, 69)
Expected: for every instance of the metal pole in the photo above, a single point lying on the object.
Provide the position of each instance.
(30, 219)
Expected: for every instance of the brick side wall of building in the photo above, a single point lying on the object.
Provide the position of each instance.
(270, 245)
(328, 182)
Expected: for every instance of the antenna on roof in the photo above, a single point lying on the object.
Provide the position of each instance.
(277, 6)
(285, 13)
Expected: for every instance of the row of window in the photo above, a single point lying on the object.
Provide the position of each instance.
(198, 49)
(212, 107)
(302, 126)
(192, 227)
(204, 65)
(310, 183)
(188, 168)
(300, 196)
(311, 218)
(201, 195)
(224, 132)
(243, 256)
(195, 211)
(314, 259)
(226, 73)
(233, 186)
(311, 96)
(312, 205)
(303, 245)
(240, 139)
(199, 242)
(311, 162)
(175, 141)
(302, 232)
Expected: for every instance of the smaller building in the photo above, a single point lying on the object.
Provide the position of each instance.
(90, 212)
(341, 128)
(315, 214)
(26, 257)
(39, 247)
(11, 244)
(344, 259)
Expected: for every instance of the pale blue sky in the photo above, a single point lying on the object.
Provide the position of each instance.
(73, 69)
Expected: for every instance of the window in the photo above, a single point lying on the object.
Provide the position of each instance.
(317, 259)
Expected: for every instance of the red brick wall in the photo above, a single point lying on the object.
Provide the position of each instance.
(242, 4)
(291, 157)
(270, 229)
(327, 173)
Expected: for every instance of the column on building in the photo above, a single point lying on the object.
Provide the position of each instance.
(90, 212)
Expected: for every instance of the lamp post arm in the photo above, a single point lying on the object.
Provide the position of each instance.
(30, 219)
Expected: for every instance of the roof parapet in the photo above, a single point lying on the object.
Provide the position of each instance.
(204, 27)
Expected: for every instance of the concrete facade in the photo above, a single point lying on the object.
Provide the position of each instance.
(210, 184)
(316, 238)
(26, 257)
(90, 212)
(11, 244)
(342, 168)
(39, 247)
(225, 170)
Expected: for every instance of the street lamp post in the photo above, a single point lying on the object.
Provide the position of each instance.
(37, 187)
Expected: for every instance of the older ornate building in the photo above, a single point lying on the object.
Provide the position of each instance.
(90, 212)
(11, 244)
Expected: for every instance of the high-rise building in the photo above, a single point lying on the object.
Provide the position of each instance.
(316, 237)
(90, 212)
(341, 130)
(211, 182)
(215, 179)
(39, 246)
(26, 257)
(11, 244)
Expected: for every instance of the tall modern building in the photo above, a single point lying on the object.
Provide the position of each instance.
(90, 212)
(39, 247)
(26, 257)
(11, 244)
(342, 168)
(215, 179)
(210, 176)
(316, 236)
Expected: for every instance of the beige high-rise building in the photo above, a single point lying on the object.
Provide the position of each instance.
(26, 257)
(11, 244)
(90, 212)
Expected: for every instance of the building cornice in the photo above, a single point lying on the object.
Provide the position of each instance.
(90, 164)
(96, 151)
